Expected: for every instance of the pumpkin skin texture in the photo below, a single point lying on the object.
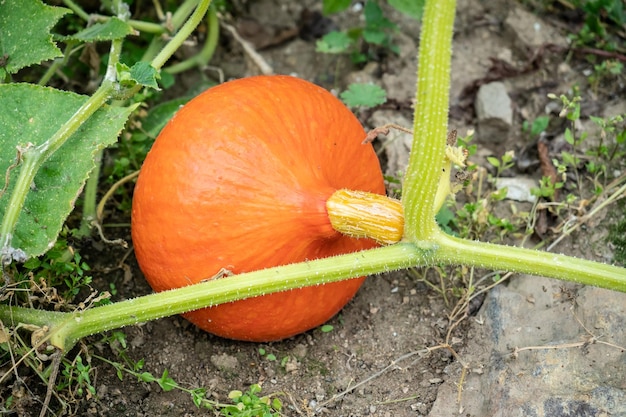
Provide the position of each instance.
(238, 180)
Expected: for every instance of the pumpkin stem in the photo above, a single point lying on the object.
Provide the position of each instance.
(362, 214)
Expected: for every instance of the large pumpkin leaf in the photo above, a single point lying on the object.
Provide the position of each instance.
(113, 28)
(31, 114)
(25, 37)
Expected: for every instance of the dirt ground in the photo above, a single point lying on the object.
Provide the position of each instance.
(373, 362)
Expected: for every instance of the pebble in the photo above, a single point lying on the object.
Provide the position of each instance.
(494, 113)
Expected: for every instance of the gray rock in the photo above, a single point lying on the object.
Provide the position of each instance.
(494, 113)
(546, 349)
(518, 188)
(225, 362)
(396, 145)
(530, 32)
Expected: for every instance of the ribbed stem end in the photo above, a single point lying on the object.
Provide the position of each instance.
(366, 215)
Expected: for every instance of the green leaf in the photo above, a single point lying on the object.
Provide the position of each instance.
(493, 161)
(141, 73)
(335, 6)
(334, 43)
(363, 95)
(376, 37)
(25, 37)
(145, 74)
(569, 136)
(375, 18)
(166, 383)
(411, 8)
(327, 328)
(32, 114)
(539, 125)
(160, 114)
(113, 28)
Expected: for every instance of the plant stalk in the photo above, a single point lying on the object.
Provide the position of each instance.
(67, 328)
(427, 158)
(184, 32)
(204, 56)
(454, 251)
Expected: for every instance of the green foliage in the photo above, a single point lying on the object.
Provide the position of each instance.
(113, 28)
(608, 72)
(61, 267)
(539, 125)
(335, 6)
(363, 95)
(503, 163)
(378, 29)
(412, 8)
(249, 404)
(141, 73)
(269, 356)
(76, 377)
(547, 189)
(377, 32)
(25, 37)
(29, 115)
(50, 138)
(603, 156)
(334, 43)
(327, 328)
(603, 20)
(617, 236)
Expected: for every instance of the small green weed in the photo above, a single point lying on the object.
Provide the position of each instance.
(363, 95)
(245, 404)
(617, 236)
(362, 42)
(249, 404)
(607, 73)
(56, 277)
(603, 20)
(76, 377)
(268, 356)
(534, 129)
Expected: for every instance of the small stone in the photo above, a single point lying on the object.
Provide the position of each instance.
(530, 32)
(224, 362)
(494, 112)
(299, 351)
(397, 145)
(518, 188)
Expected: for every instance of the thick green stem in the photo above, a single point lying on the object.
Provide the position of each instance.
(182, 34)
(90, 197)
(77, 9)
(68, 328)
(427, 161)
(452, 250)
(204, 56)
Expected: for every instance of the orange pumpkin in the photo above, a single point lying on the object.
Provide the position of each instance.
(239, 180)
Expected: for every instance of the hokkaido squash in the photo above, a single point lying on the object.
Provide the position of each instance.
(238, 180)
